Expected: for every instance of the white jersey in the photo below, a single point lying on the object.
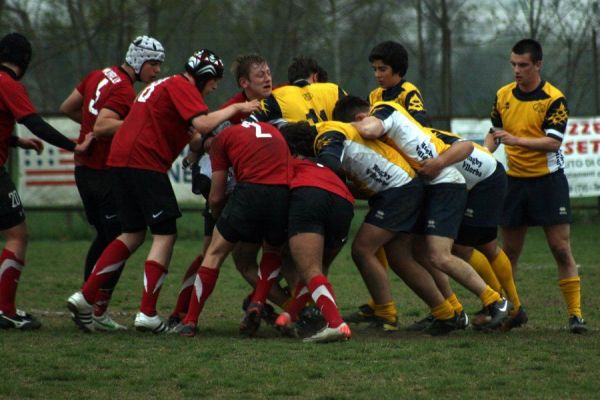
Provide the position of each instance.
(478, 166)
(413, 140)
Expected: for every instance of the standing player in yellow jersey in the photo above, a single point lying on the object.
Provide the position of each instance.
(530, 116)
(306, 98)
(389, 61)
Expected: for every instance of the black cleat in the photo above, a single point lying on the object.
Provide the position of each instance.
(310, 321)
(577, 325)
(21, 320)
(251, 321)
(384, 324)
(517, 319)
(421, 325)
(363, 314)
(441, 327)
(498, 311)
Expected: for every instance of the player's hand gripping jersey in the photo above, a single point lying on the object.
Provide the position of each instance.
(415, 142)
(478, 166)
(407, 95)
(537, 114)
(371, 165)
(108, 88)
(312, 102)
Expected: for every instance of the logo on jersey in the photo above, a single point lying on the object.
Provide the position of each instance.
(469, 213)
(431, 224)
(506, 106)
(379, 214)
(307, 96)
(415, 104)
(559, 116)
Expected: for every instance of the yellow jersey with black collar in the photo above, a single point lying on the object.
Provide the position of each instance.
(540, 113)
(371, 165)
(301, 101)
(407, 95)
(478, 166)
(414, 141)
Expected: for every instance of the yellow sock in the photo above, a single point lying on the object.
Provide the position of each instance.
(387, 311)
(482, 266)
(443, 310)
(503, 270)
(456, 306)
(382, 258)
(489, 296)
(571, 290)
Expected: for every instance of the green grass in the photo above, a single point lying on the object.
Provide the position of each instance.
(540, 360)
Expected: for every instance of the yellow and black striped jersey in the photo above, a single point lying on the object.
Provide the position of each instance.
(415, 142)
(542, 112)
(407, 95)
(303, 101)
(478, 166)
(371, 165)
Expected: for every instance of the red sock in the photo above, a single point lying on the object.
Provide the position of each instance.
(268, 271)
(322, 294)
(10, 271)
(301, 297)
(101, 302)
(204, 284)
(154, 276)
(111, 260)
(183, 300)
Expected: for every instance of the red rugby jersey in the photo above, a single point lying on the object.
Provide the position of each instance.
(308, 173)
(14, 106)
(156, 129)
(257, 152)
(109, 88)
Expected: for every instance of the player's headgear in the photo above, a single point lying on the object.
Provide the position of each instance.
(142, 49)
(16, 49)
(204, 65)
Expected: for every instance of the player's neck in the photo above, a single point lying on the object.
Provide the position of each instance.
(530, 86)
(129, 70)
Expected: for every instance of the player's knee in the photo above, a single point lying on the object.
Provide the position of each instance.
(562, 253)
(440, 260)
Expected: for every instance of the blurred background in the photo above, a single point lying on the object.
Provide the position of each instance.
(458, 49)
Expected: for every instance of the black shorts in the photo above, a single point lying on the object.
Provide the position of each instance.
(483, 211)
(537, 201)
(442, 210)
(485, 201)
(95, 189)
(254, 213)
(396, 209)
(316, 210)
(144, 198)
(11, 209)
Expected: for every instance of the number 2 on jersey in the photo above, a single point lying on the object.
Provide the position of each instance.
(257, 129)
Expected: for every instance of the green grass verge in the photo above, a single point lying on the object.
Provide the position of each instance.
(540, 360)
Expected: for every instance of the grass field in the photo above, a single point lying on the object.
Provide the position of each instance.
(541, 360)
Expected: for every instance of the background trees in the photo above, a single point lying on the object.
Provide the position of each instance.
(458, 48)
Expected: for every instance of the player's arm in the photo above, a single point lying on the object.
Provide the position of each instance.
(489, 141)
(457, 152)
(329, 151)
(46, 132)
(71, 107)
(27, 143)
(217, 196)
(546, 144)
(107, 123)
(205, 123)
(370, 127)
